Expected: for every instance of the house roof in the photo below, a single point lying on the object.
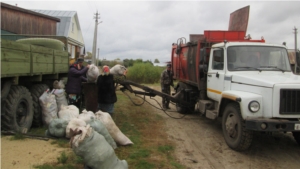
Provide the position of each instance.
(4, 5)
(65, 20)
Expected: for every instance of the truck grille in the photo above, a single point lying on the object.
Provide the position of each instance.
(290, 101)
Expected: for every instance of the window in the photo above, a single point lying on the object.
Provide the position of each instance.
(218, 59)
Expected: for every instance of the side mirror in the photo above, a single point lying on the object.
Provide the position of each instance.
(298, 58)
(203, 55)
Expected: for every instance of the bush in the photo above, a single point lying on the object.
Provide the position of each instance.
(144, 73)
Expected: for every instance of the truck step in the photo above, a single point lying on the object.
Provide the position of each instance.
(211, 114)
(205, 105)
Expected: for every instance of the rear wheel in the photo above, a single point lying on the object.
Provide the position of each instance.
(36, 91)
(297, 137)
(18, 110)
(234, 131)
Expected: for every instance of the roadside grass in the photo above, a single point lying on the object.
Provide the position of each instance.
(151, 148)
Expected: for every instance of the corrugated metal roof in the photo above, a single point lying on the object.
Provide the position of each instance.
(65, 17)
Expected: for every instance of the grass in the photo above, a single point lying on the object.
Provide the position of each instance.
(151, 148)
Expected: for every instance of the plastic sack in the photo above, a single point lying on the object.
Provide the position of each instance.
(100, 128)
(58, 84)
(92, 74)
(112, 128)
(94, 149)
(60, 98)
(73, 124)
(49, 107)
(86, 115)
(57, 128)
(68, 112)
(118, 70)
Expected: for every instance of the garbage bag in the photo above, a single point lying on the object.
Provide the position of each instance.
(118, 70)
(92, 74)
(112, 128)
(94, 149)
(86, 115)
(49, 107)
(68, 112)
(73, 124)
(60, 98)
(100, 128)
(58, 84)
(57, 128)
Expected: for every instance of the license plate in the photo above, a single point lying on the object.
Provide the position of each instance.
(297, 126)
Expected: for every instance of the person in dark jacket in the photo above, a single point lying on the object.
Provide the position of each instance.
(76, 75)
(106, 91)
(166, 80)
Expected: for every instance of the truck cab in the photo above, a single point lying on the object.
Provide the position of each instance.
(252, 88)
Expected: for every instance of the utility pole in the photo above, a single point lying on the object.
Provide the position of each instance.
(295, 32)
(95, 38)
(98, 55)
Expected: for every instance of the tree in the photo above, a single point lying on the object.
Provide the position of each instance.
(156, 61)
(89, 55)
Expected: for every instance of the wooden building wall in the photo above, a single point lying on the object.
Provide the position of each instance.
(22, 21)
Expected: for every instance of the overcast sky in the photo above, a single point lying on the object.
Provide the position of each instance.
(146, 29)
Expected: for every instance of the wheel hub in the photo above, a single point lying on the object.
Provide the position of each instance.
(231, 124)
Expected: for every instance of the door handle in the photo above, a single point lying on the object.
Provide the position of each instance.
(209, 75)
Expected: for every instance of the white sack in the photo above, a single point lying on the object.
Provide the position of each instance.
(100, 128)
(57, 128)
(112, 128)
(94, 150)
(49, 107)
(73, 124)
(92, 74)
(118, 70)
(58, 84)
(68, 112)
(86, 115)
(60, 98)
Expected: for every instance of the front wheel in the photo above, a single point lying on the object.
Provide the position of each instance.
(297, 137)
(235, 133)
(17, 113)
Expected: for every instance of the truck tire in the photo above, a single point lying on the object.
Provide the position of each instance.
(45, 42)
(234, 131)
(36, 91)
(18, 111)
(297, 137)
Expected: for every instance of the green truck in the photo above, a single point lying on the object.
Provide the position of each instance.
(28, 67)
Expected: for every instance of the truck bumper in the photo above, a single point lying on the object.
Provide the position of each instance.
(272, 125)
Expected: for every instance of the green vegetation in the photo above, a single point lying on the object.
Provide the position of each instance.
(144, 73)
(63, 158)
(17, 136)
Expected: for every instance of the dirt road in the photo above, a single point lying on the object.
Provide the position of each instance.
(200, 144)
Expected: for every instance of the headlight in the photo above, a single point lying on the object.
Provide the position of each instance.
(254, 106)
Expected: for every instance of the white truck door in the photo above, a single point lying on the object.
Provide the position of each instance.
(215, 75)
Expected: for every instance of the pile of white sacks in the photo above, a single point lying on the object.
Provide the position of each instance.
(93, 135)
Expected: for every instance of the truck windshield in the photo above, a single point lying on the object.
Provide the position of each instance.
(257, 58)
